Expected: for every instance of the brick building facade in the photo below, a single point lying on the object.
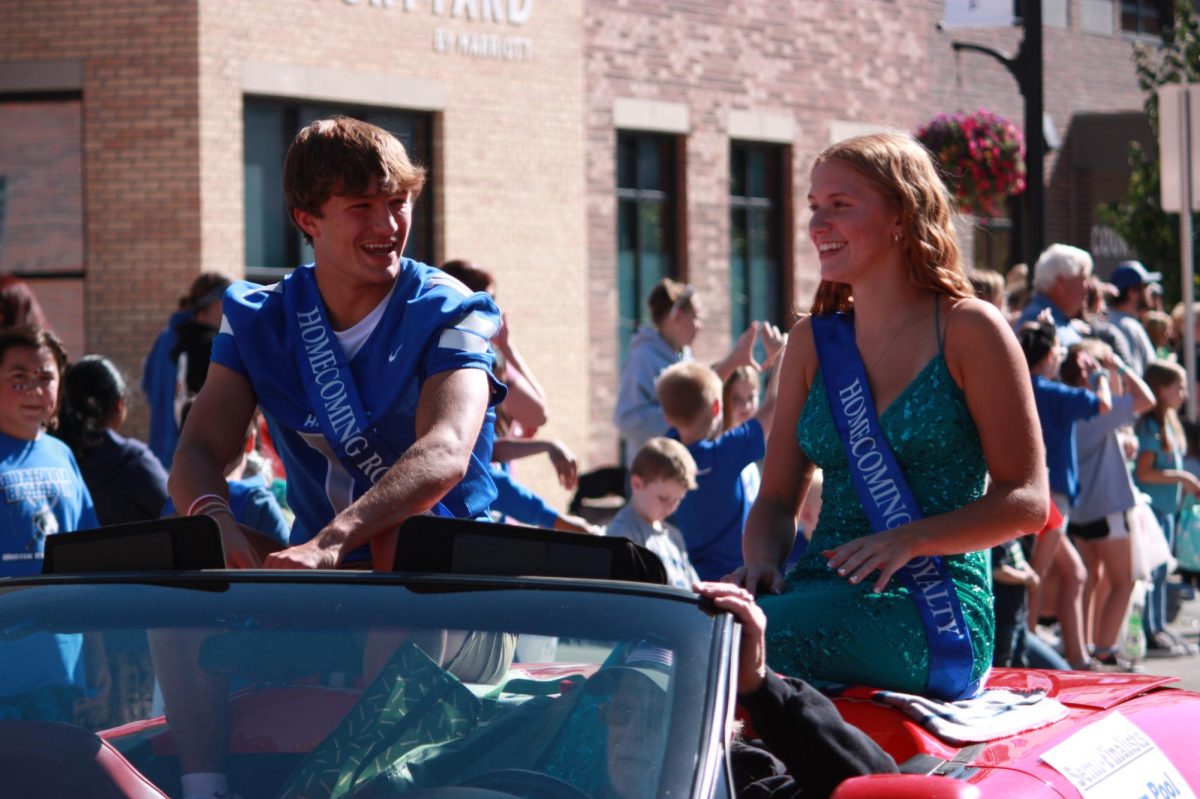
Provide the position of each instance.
(717, 77)
(576, 147)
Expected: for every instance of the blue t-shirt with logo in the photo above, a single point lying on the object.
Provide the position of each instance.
(431, 324)
(712, 516)
(43, 495)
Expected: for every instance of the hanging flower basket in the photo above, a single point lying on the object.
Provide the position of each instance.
(982, 156)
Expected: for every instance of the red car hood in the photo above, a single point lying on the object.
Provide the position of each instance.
(1079, 688)
(1014, 766)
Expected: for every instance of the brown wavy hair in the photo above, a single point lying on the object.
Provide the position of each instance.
(904, 173)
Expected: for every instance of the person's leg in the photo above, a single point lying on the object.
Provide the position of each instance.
(1010, 623)
(1115, 553)
(381, 645)
(1096, 577)
(1156, 601)
(1072, 575)
(1040, 655)
(1045, 551)
(196, 704)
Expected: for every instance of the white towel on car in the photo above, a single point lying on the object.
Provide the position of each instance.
(991, 715)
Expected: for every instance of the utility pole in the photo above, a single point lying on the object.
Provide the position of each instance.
(1026, 67)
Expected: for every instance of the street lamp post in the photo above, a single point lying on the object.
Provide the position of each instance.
(1026, 67)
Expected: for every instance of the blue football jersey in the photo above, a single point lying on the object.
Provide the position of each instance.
(432, 324)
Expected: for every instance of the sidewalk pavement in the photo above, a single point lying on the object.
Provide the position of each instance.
(1186, 625)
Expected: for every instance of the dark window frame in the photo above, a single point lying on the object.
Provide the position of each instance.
(1148, 17)
(778, 201)
(671, 195)
(67, 95)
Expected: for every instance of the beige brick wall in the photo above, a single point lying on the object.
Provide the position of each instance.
(162, 151)
(524, 149)
(139, 120)
(833, 68)
(509, 144)
(802, 65)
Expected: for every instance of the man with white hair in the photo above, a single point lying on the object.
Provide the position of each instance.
(1060, 280)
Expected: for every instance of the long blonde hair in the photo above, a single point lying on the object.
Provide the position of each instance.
(903, 172)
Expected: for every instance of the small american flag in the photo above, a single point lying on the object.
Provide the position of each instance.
(645, 653)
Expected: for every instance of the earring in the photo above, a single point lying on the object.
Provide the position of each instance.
(896, 237)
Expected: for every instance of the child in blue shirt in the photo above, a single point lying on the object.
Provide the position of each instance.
(43, 494)
(1059, 407)
(711, 518)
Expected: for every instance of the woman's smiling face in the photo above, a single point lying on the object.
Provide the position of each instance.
(853, 226)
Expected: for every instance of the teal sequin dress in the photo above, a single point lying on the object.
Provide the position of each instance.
(827, 630)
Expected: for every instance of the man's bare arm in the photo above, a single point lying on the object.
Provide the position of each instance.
(450, 414)
(212, 435)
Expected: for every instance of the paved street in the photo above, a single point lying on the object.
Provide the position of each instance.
(1187, 624)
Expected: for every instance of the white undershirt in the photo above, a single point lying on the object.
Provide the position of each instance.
(352, 338)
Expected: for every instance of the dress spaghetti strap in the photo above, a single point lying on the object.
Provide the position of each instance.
(937, 323)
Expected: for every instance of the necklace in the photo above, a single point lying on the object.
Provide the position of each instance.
(892, 340)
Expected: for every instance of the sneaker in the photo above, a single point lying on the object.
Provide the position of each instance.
(1108, 661)
(1181, 643)
(1049, 635)
(1162, 645)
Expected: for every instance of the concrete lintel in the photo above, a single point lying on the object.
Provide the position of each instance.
(65, 75)
(654, 115)
(343, 86)
(762, 126)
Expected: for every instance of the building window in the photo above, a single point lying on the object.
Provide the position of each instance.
(41, 206)
(647, 225)
(758, 266)
(1145, 16)
(273, 244)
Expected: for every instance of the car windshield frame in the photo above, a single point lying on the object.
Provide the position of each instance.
(233, 601)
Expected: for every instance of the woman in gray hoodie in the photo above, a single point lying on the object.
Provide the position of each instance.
(676, 314)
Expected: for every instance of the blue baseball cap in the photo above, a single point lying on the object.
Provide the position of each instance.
(1130, 274)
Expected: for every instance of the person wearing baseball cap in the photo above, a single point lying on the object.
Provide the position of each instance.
(1133, 281)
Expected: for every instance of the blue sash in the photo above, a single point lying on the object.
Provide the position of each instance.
(889, 503)
(329, 385)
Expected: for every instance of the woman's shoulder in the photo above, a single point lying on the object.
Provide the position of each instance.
(973, 319)
(976, 339)
(802, 346)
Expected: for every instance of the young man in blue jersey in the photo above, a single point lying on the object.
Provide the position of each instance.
(373, 371)
(375, 376)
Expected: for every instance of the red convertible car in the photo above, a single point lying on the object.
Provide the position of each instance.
(339, 684)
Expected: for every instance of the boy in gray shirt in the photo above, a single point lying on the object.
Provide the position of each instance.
(662, 472)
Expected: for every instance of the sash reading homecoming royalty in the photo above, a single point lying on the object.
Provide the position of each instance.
(889, 503)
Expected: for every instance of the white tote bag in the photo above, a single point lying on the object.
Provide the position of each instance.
(1150, 548)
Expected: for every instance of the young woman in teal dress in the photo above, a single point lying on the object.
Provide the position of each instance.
(951, 388)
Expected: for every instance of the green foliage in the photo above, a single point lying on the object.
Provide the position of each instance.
(1139, 218)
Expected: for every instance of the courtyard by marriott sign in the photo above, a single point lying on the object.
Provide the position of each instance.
(473, 44)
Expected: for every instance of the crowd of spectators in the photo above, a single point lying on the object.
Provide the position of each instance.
(1100, 364)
